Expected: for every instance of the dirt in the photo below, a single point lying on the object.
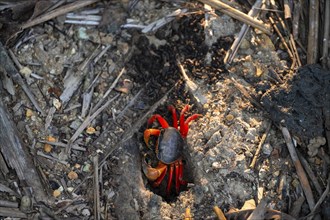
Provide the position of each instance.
(220, 144)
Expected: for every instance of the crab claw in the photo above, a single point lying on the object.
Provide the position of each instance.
(148, 133)
(154, 173)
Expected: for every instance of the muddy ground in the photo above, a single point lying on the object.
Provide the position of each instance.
(221, 143)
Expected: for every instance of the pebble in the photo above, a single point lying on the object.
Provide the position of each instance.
(26, 203)
(252, 135)
(86, 212)
(267, 149)
(216, 165)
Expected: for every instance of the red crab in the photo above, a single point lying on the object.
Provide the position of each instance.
(169, 147)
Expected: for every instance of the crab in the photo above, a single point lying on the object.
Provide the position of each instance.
(168, 149)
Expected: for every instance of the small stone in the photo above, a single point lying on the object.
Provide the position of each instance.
(28, 113)
(72, 175)
(26, 71)
(252, 135)
(229, 117)
(295, 183)
(276, 173)
(57, 103)
(318, 161)
(262, 173)
(47, 148)
(86, 212)
(267, 149)
(56, 193)
(87, 168)
(90, 130)
(25, 204)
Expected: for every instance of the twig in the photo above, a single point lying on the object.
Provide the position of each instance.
(187, 214)
(234, 47)
(310, 173)
(281, 37)
(113, 85)
(106, 48)
(296, 19)
(17, 156)
(260, 211)
(87, 121)
(323, 197)
(131, 102)
(96, 188)
(57, 12)
(261, 143)
(12, 212)
(219, 213)
(154, 26)
(287, 10)
(325, 49)
(60, 144)
(39, 153)
(192, 87)
(9, 67)
(246, 93)
(226, 9)
(313, 29)
(300, 171)
(292, 43)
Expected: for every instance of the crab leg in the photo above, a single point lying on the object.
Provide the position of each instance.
(170, 177)
(160, 119)
(178, 176)
(184, 124)
(175, 119)
(148, 133)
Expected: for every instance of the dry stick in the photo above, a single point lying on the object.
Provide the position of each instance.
(281, 37)
(323, 197)
(187, 214)
(113, 85)
(261, 143)
(192, 87)
(296, 19)
(246, 93)
(96, 188)
(313, 28)
(234, 47)
(310, 173)
(226, 9)
(287, 10)
(294, 48)
(57, 12)
(325, 45)
(219, 213)
(292, 43)
(87, 121)
(300, 171)
(9, 67)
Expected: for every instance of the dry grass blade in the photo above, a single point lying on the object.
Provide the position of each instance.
(234, 47)
(313, 37)
(226, 9)
(96, 188)
(219, 213)
(57, 12)
(261, 143)
(300, 170)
